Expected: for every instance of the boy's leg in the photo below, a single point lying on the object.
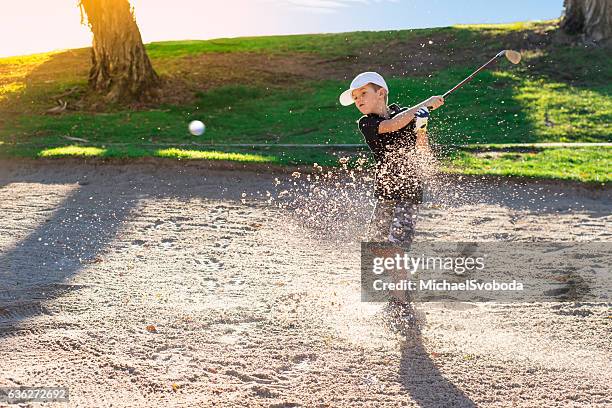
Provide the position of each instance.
(380, 221)
(401, 232)
(393, 221)
(379, 231)
(403, 226)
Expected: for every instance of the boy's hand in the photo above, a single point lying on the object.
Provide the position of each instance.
(435, 102)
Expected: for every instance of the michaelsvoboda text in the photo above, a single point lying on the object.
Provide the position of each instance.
(444, 285)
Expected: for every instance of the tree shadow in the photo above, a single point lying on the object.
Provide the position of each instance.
(79, 228)
(74, 234)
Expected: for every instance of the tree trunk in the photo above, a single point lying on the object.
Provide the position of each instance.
(121, 69)
(590, 18)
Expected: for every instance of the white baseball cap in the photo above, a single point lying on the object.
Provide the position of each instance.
(346, 98)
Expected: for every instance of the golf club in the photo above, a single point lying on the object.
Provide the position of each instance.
(513, 56)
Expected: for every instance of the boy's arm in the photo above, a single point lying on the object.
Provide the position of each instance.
(404, 118)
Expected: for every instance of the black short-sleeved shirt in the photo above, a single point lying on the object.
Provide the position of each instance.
(396, 173)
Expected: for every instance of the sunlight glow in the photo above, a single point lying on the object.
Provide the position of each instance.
(213, 155)
(72, 151)
(33, 26)
(13, 72)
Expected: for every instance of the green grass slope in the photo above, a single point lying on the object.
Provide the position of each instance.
(284, 89)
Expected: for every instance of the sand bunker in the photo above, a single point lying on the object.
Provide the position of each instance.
(253, 298)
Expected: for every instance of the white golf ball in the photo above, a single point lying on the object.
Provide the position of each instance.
(196, 128)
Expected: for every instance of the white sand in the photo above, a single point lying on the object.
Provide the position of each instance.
(254, 308)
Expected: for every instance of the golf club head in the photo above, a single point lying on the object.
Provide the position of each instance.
(513, 56)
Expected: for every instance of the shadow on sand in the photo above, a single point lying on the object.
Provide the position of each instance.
(421, 378)
(98, 201)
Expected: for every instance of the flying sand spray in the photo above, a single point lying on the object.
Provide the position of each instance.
(338, 213)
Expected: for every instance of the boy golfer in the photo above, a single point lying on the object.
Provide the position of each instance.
(395, 135)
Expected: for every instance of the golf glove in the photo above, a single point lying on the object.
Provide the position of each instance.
(422, 115)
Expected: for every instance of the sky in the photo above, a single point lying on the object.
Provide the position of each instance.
(31, 26)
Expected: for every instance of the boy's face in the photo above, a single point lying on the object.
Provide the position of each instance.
(367, 99)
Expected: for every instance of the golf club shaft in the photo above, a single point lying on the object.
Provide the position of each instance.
(468, 79)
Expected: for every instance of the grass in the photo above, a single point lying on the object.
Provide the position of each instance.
(272, 155)
(584, 164)
(243, 114)
(590, 165)
(327, 45)
(174, 153)
(335, 44)
(560, 93)
(78, 151)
